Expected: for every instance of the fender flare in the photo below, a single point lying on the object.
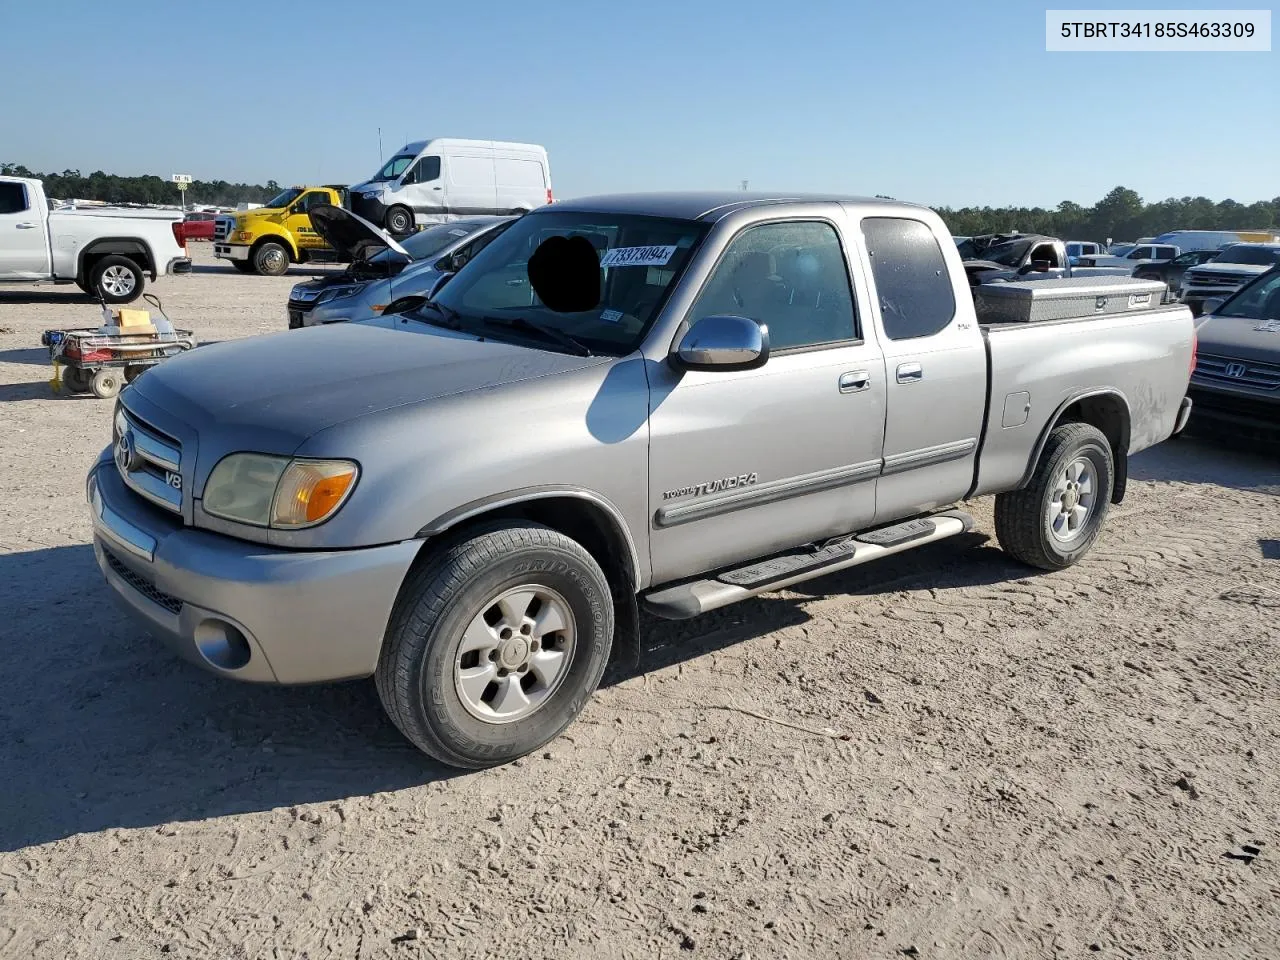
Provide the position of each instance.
(482, 505)
(1119, 452)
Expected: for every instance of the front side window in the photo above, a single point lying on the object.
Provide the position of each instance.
(13, 198)
(791, 277)
(642, 259)
(912, 281)
(283, 199)
(424, 171)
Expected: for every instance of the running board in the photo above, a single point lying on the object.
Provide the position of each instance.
(695, 597)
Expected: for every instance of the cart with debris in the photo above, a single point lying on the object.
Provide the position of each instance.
(101, 360)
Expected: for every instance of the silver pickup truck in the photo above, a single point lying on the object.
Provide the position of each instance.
(669, 401)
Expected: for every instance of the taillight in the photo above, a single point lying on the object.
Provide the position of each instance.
(550, 199)
(180, 232)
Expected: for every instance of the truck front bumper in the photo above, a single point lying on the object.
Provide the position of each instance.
(241, 609)
(231, 251)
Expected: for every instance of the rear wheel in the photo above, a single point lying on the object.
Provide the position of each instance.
(134, 370)
(271, 259)
(495, 644)
(75, 379)
(118, 279)
(1054, 521)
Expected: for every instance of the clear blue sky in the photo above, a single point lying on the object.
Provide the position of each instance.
(943, 102)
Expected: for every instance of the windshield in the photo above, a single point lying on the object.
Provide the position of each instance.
(1258, 256)
(429, 241)
(652, 251)
(1259, 300)
(1008, 254)
(394, 167)
(284, 198)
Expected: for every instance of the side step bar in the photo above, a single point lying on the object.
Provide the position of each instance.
(695, 597)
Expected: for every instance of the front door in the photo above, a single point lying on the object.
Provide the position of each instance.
(299, 220)
(422, 190)
(746, 463)
(935, 365)
(23, 249)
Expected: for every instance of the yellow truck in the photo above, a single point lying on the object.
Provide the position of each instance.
(266, 239)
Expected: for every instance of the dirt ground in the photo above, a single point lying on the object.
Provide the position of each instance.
(939, 756)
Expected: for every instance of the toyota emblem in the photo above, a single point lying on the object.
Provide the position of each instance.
(124, 451)
(1235, 370)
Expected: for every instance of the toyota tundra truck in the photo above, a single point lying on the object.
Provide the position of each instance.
(668, 402)
(265, 240)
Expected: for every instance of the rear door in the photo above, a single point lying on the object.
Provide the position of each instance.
(935, 368)
(24, 248)
(521, 183)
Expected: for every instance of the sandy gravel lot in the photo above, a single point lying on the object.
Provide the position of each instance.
(940, 756)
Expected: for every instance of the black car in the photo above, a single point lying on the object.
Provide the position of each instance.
(1171, 271)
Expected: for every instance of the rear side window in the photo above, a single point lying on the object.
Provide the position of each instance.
(13, 198)
(912, 282)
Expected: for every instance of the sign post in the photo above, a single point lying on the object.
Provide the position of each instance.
(183, 180)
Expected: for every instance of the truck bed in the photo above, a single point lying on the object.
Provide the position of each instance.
(1036, 369)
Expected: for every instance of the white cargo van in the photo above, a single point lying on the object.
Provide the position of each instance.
(1216, 239)
(434, 181)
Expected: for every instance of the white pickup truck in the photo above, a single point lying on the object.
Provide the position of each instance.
(105, 252)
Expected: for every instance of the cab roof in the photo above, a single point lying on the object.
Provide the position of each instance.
(708, 206)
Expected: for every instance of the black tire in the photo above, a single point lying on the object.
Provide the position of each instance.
(106, 383)
(416, 670)
(1022, 516)
(243, 266)
(270, 259)
(75, 379)
(134, 370)
(117, 279)
(400, 221)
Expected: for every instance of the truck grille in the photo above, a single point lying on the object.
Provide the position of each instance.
(142, 584)
(1239, 373)
(222, 228)
(149, 462)
(1216, 279)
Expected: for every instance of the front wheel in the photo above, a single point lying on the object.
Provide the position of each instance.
(1054, 520)
(400, 220)
(271, 259)
(495, 644)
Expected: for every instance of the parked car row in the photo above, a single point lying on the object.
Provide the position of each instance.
(425, 182)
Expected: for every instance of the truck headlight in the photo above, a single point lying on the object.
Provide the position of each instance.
(337, 293)
(279, 492)
(371, 195)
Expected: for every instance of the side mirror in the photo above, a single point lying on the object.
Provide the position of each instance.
(723, 343)
(403, 305)
(1212, 305)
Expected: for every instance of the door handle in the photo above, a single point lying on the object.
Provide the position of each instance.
(854, 381)
(515, 283)
(910, 372)
(437, 188)
(26, 225)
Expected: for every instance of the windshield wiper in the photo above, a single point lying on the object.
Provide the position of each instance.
(572, 344)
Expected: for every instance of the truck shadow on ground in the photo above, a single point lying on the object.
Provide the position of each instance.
(36, 356)
(54, 294)
(105, 728)
(295, 270)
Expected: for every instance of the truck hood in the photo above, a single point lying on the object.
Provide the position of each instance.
(352, 236)
(271, 393)
(1241, 338)
(1239, 269)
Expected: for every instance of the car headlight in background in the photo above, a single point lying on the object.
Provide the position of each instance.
(278, 492)
(337, 293)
